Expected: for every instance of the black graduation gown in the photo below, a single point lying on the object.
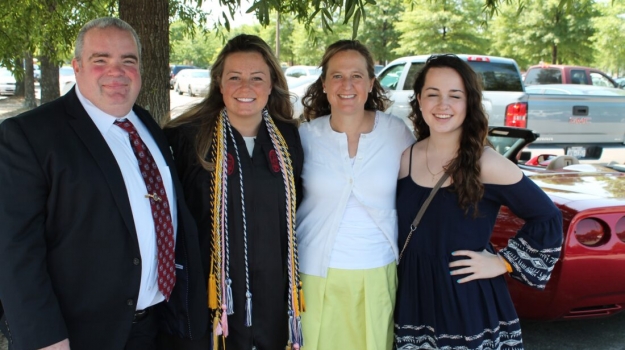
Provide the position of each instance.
(265, 210)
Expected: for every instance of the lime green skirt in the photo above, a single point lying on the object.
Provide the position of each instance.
(350, 309)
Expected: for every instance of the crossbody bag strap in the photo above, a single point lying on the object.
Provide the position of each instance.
(425, 205)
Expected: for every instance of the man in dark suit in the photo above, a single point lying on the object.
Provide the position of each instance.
(87, 238)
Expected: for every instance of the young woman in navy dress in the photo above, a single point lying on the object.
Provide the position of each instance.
(452, 293)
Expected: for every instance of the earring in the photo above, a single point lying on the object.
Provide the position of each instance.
(324, 91)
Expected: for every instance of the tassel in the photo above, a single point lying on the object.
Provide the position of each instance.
(302, 302)
(224, 321)
(216, 333)
(296, 339)
(300, 334)
(212, 292)
(248, 309)
(229, 303)
(291, 338)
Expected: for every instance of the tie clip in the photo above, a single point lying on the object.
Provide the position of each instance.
(154, 196)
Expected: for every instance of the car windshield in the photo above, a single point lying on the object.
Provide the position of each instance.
(314, 71)
(200, 74)
(66, 71)
(543, 76)
(495, 76)
(293, 83)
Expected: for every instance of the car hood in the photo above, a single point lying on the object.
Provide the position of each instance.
(7, 80)
(582, 191)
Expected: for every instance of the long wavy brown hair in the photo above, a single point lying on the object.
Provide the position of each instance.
(465, 167)
(205, 113)
(316, 102)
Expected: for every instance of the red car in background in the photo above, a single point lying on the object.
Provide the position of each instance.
(564, 74)
(589, 278)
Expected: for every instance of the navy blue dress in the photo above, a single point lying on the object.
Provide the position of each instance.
(433, 311)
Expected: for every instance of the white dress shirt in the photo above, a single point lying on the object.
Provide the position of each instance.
(119, 143)
(329, 180)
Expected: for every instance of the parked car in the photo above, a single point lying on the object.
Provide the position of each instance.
(620, 82)
(377, 69)
(173, 71)
(587, 279)
(564, 74)
(7, 82)
(297, 88)
(302, 71)
(67, 79)
(36, 72)
(501, 79)
(584, 121)
(192, 81)
(587, 126)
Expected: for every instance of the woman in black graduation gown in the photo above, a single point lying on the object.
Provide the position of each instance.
(239, 156)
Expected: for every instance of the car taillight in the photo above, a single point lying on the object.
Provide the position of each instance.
(591, 232)
(516, 115)
(620, 229)
(478, 59)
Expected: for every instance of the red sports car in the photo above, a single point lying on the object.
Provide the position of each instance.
(589, 278)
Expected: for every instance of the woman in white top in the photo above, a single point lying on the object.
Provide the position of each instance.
(347, 223)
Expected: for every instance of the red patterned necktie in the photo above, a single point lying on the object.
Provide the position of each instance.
(160, 209)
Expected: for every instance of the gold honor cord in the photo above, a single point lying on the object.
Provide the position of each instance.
(295, 292)
(219, 289)
(214, 285)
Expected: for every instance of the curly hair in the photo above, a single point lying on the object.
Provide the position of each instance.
(316, 102)
(465, 167)
(206, 112)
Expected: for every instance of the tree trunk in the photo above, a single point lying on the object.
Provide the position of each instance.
(150, 19)
(29, 81)
(554, 54)
(19, 83)
(49, 83)
(278, 37)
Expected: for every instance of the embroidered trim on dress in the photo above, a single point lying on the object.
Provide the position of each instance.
(531, 266)
(512, 339)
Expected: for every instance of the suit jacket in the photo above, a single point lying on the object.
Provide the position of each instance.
(70, 264)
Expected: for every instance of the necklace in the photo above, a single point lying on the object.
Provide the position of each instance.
(434, 175)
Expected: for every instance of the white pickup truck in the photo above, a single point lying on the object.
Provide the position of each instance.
(586, 122)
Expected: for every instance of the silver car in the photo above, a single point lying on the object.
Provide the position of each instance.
(501, 80)
(193, 82)
(298, 88)
(7, 82)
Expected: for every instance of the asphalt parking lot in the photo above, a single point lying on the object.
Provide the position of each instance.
(593, 334)
(596, 334)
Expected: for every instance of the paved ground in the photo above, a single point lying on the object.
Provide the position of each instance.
(11, 106)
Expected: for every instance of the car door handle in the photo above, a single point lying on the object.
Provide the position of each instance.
(580, 110)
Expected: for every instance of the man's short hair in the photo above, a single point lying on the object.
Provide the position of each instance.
(103, 23)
